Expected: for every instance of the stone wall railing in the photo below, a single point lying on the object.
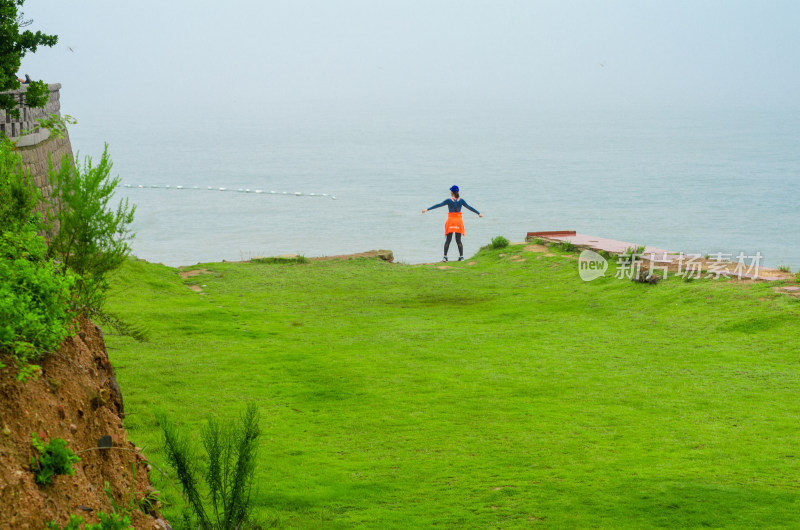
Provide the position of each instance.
(13, 127)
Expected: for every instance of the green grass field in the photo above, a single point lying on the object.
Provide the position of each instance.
(503, 394)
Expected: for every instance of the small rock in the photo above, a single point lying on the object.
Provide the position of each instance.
(73, 428)
(6, 430)
(55, 384)
(161, 524)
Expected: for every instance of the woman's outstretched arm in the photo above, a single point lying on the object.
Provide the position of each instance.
(436, 205)
(470, 207)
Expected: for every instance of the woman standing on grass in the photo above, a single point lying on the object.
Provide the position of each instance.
(454, 223)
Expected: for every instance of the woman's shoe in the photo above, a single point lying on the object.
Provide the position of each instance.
(445, 260)
(461, 258)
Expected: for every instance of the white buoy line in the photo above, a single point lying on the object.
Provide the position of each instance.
(237, 190)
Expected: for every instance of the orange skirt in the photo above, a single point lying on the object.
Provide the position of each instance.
(454, 223)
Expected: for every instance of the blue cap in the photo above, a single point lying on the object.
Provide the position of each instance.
(453, 188)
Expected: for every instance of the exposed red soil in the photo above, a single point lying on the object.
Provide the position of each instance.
(76, 398)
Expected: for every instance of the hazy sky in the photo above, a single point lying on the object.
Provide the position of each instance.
(199, 56)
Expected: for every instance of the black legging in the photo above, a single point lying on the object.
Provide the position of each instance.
(458, 242)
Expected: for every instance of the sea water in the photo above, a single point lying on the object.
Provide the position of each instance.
(700, 181)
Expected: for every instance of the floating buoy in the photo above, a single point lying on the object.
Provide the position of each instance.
(240, 190)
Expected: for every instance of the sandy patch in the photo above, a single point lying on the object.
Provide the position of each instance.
(538, 248)
(194, 272)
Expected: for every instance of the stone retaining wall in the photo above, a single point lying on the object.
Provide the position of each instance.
(35, 160)
(37, 148)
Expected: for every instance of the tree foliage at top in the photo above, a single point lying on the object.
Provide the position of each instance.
(13, 47)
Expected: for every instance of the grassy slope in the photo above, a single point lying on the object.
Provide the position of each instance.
(500, 394)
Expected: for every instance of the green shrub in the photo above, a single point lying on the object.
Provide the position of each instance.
(111, 522)
(93, 239)
(631, 254)
(499, 242)
(231, 459)
(34, 290)
(566, 246)
(34, 298)
(107, 522)
(74, 524)
(18, 196)
(54, 459)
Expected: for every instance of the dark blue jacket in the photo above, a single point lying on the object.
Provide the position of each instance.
(455, 205)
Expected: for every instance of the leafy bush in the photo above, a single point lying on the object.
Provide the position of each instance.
(93, 239)
(499, 242)
(74, 524)
(54, 459)
(15, 45)
(111, 522)
(566, 246)
(107, 522)
(231, 459)
(34, 296)
(631, 254)
(57, 125)
(34, 290)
